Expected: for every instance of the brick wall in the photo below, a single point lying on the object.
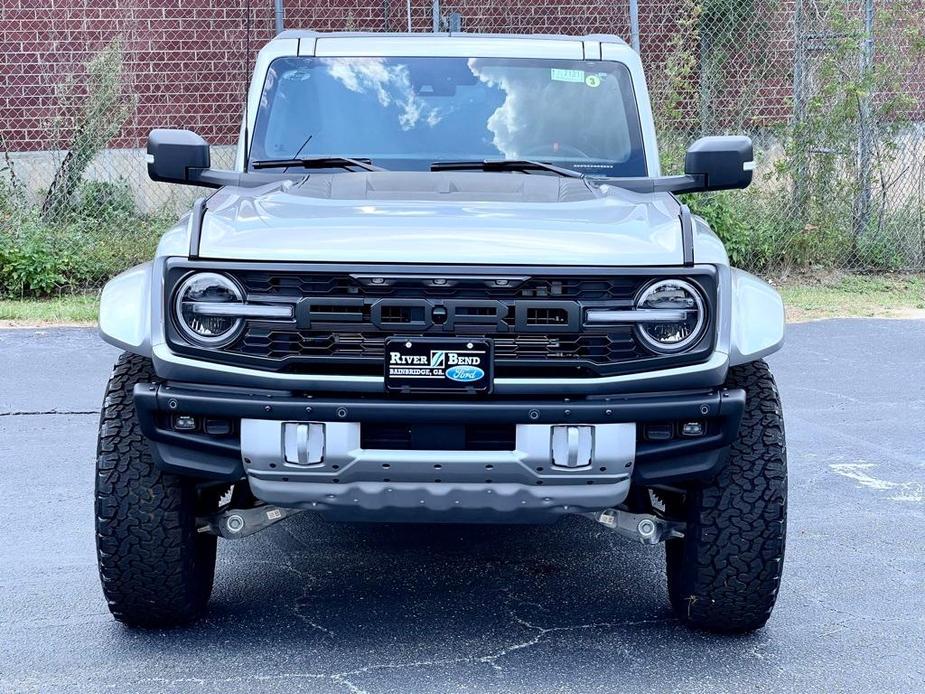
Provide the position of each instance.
(184, 60)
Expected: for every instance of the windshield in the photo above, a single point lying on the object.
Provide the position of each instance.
(406, 113)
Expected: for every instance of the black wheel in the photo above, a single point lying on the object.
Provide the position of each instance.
(725, 574)
(156, 570)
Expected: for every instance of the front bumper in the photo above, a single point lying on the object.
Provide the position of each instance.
(338, 476)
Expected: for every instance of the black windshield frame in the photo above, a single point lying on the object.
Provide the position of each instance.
(635, 164)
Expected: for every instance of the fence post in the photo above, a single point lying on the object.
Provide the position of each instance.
(435, 15)
(280, 16)
(865, 125)
(634, 24)
(800, 155)
(705, 86)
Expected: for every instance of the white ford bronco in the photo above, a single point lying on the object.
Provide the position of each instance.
(445, 281)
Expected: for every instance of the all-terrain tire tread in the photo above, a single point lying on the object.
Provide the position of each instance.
(725, 575)
(156, 570)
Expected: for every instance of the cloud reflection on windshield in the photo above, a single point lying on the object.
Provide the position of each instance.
(535, 119)
(390, 83)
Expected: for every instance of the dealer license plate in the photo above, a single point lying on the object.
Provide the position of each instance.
(438, 365)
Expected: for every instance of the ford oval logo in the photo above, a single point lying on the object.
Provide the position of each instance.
(464, 373)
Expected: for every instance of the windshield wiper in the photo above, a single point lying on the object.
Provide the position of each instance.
(525, 165)
(318, 163)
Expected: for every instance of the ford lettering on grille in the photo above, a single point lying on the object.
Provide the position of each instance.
(441, 315)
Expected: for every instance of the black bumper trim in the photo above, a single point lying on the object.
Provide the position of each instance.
(256, 405)
(667, 462)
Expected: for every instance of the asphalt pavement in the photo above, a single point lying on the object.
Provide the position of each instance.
(315, 606)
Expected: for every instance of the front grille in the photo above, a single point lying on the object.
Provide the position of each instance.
(276, 343)
(283, 284)
(547, 316)
(535, 320)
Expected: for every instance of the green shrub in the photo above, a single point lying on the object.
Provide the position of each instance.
(755, 237)
(762, 234)
(108, 199)
(39, 259)
(12, 191)
(101, 106)
(28, 262)
(727, 222)
(84, 232)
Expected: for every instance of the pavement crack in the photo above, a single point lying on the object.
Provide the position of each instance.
(542, 632)
(38, 413)
(347, 678)
(303, 600)
(344, 678)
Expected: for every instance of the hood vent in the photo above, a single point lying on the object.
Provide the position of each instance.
(458, 186)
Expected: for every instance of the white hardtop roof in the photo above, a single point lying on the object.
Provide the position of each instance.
(454, 44)
(307, 34)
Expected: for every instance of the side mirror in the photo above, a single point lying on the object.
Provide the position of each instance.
(711, 163)
(721, 163)
(176, 156)
(181, 156)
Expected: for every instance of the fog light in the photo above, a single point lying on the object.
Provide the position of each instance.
(217, 427)
(692, 429)
(659, 432)
(184, 423)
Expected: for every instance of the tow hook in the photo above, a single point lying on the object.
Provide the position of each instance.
(236, 523)
(642, 527)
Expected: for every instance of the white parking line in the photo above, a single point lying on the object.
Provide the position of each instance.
(904, 491)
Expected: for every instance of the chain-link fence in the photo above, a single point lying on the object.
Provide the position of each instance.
(832, 91)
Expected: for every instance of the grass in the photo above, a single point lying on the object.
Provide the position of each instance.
(806, 298)
(78, 309)
(866, 296)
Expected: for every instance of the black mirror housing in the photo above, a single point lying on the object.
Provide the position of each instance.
(722, 163)
(176, 156)
(182, 156)
(712, 163)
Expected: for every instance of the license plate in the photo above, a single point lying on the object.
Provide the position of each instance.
(424, 364)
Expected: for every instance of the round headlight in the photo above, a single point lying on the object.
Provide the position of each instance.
(199, 311)
(684, 315)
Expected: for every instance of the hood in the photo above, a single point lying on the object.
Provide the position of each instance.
(442, 218)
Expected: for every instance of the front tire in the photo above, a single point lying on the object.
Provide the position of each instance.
(725, 574)
(156, 569)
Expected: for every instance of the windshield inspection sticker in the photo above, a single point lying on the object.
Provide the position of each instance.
(593, 80)
(560, 75)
